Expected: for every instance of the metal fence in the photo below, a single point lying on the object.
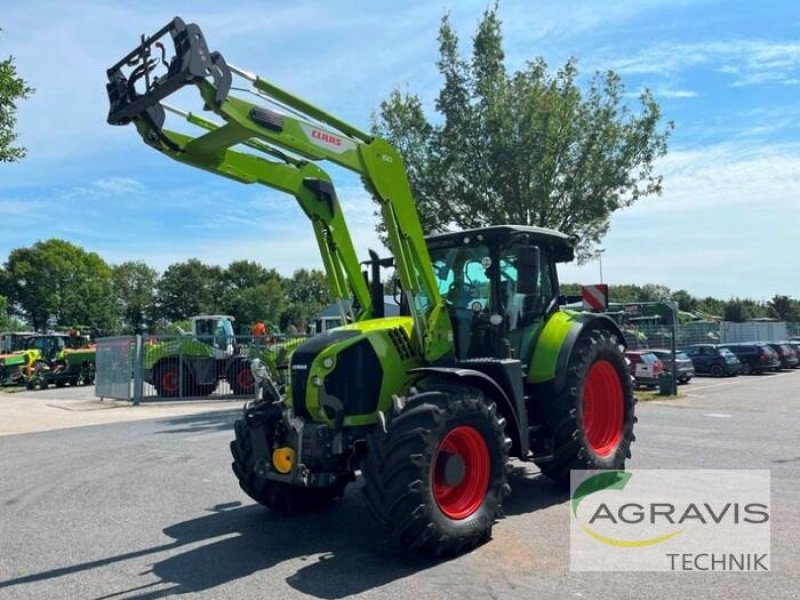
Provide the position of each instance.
(655, 333)
(141, 368)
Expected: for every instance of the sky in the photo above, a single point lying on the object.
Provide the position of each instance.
(726, 72)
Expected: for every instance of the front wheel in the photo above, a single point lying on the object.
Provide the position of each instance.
(590, 419)
(436, 477)
(717, 370)
(277, 495)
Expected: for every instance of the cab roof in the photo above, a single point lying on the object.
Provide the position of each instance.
(559, 244)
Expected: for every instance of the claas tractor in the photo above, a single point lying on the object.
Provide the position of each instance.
(193, 363)
(483, 365)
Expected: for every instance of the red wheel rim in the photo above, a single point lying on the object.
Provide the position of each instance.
(169, 381)
(244, 379)
(603, 408)
(459, 501)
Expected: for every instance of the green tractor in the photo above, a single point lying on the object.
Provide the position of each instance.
(15, 365)
(192, 364)
(482, 365)
(60, 359)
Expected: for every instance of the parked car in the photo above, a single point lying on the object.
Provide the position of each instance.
(796, 346)
(713, 359)
(683, 364)
(645, 367)
(756, 357)
(786, 354)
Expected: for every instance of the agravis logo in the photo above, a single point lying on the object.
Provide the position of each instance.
(670, 520)
(612, 480)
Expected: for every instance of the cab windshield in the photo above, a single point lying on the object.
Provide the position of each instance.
(462, 276)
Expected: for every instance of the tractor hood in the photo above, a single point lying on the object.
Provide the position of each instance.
(356, 367)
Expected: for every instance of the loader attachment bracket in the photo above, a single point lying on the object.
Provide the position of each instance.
(146, 75)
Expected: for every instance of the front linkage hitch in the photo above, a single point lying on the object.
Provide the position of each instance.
(135, 89)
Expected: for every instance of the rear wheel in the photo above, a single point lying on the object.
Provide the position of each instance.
(167, 379)
(240, 378)
(436, 478)
(590, 419)
(717, 370)
(276, 495)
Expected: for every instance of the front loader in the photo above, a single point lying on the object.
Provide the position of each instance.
(482, 366)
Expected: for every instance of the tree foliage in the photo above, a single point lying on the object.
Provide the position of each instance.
(189, 288)
(784, 308)
(57, 283)
(12, 89)
(530, 147)
(307, 293)
(252, 292)
(134, 286)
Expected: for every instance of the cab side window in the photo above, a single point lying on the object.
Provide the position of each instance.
(522, 309)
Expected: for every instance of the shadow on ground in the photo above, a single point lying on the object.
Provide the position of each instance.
(220, 420)
(341, 552)
(532, 491)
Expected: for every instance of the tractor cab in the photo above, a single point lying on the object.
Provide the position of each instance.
(11, 341)
(499, 283)
(49, 345)
(215, 330)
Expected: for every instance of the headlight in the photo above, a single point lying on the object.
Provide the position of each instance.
(316, 381)
(327, 362)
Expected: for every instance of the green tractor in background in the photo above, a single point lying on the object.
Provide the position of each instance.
(192, 364)
(482, 365)
(49, 359)
(64, 360)
(16, 364)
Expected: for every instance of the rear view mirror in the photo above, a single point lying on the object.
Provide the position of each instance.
(529, 265)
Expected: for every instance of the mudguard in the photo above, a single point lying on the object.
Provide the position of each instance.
(509, 397)
(556, 341)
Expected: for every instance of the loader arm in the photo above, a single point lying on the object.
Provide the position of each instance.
(309, 134)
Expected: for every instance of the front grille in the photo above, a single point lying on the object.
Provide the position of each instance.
(401, 343)
(299, 382)
(357, 378)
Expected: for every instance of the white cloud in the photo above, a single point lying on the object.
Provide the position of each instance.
(747, 62)
(726, 225)
(675, 94)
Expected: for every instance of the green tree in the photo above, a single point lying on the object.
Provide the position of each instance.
(12, 89)
(307, 293)
(530, 147)
(4, 315)
(265, 301)
(134, 285)
(685, 300)
(252, 292)
(710, 307)
(190, 288)
(784, 308)
(736, 310)
(58, 283)
(8, 322)
(242, 274)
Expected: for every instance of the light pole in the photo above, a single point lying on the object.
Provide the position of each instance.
(600, 258)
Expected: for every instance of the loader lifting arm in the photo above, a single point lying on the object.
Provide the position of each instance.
(293, 137)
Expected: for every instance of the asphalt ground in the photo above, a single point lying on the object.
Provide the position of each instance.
(150, 509)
